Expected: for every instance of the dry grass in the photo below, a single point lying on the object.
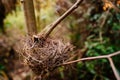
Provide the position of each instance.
(44, 55)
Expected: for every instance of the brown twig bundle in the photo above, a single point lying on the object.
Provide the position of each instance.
(45, 55)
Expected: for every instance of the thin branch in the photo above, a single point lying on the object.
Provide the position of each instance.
(85, 59)
(103, 20)
(92, 58)
(69, 11)
(114, 69)
(114, 54)
(99, 57)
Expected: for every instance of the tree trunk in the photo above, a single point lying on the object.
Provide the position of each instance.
(30, 17)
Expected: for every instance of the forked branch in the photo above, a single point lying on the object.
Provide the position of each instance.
(100, 57)
(92, 58)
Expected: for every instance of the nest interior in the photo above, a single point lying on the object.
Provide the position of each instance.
(44, 55)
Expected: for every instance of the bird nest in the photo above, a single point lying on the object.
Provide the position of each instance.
(44, 55)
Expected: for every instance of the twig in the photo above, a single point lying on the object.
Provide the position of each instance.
(3, 76)
(85, 59)
(92, 58)
(103, 20)
(99, 57)
(69, 11)
(114, 54)
(114, 69)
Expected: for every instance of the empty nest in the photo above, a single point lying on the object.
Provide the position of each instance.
(44, 55)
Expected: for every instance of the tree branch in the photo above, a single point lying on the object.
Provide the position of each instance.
(99, 57)
(55, 23)
(92, 58)
(114, 69)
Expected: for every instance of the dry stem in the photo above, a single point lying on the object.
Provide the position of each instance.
(114, 69)
(100, 57)
(92, 58)
(56, 22)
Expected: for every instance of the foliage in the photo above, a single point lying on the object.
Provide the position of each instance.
(95, 25)
(98, 29)
(110, 43)
(1, 67)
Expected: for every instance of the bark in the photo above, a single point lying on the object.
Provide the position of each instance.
(30, 17)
